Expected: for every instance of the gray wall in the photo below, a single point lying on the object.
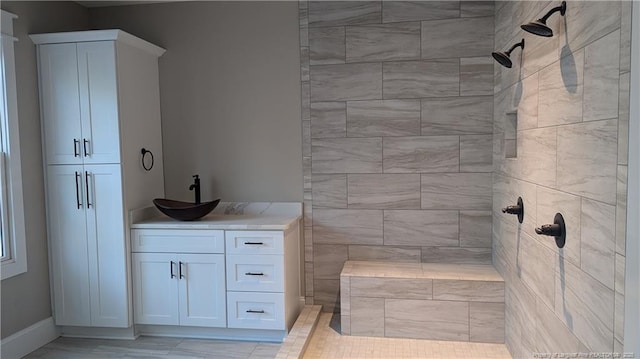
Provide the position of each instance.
(571, 94)
(397, 118)
(230, 95)
(25, 298)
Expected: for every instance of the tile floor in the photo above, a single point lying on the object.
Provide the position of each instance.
(326, 342)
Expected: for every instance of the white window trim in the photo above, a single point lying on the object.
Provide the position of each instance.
(15, 261)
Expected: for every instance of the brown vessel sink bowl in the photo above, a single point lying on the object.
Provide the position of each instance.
(184, 211)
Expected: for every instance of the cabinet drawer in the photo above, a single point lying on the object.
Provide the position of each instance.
(255, 310)
(254, 242)
(254, 273)
(177, 241)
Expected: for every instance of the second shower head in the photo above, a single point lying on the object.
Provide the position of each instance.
(504, 58)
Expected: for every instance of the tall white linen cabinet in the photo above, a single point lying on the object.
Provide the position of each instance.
(100, 105)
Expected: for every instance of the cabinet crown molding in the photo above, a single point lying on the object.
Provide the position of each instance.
(97, 35)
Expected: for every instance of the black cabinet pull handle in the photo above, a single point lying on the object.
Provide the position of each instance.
(171, 269)
(255, 311)
(254, 243)
(76, 144)
(180, 270)
(86, 182)
(84, 146)
(78, 191)
(249, 273)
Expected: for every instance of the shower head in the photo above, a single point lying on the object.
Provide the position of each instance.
(539, 27)
(504, 58)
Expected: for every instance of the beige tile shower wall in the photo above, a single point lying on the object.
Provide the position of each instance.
(397, 114)
(571, 94)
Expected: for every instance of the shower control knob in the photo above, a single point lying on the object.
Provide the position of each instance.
(518, 210)
(557, 230)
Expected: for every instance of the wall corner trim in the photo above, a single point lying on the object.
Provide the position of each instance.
(29, 339)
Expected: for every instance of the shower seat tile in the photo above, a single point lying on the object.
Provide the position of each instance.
(469, 291)
(396, 288)
(426, 319)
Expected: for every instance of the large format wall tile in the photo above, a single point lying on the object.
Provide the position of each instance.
(463, 37)
(346, 82)
(476, 8)
(347, 226)
(383, 118)
(476, 153)
(421, 228)
(456, 255)
(384, 191)
(476, 76)
(597, 242)
(328, 119)
(329, 191)
(326, 45)
(587, 162)
(326, 293)
(621, 209)
(385, 42)
(427, 319)
(456, 191)
(589, 20)
(486, 322)
(337, 13)
(561, 86)
(537, 264)
(328, 260)
(475, 229)
(601, 77)
(414, 79)
(428, 154)
(586, 306)
(536, 158)
(457, 115)
(552, 335)
(398, 11)
(347, 155)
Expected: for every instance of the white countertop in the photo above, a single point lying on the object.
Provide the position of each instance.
(227, 216)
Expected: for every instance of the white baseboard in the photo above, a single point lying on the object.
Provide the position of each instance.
(29, 339)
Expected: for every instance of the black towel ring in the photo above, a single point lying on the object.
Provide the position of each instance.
(144, 152)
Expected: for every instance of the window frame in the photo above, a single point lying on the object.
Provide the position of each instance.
(13, 225)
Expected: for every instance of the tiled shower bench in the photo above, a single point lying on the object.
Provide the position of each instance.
(461, 302)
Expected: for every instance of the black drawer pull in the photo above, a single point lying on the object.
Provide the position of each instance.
(255, 311)
(249, 273)
(254, 243)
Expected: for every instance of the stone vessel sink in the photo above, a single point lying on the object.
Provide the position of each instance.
(184, 211)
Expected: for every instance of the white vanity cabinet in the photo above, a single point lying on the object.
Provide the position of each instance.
(215, 277)
(175, 287)
(100, 104)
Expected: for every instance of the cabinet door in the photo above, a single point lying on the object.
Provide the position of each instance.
(202, 290)
(60, 100)
(98, 102)
(106, 244)
(155, 283)
(68, 241)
